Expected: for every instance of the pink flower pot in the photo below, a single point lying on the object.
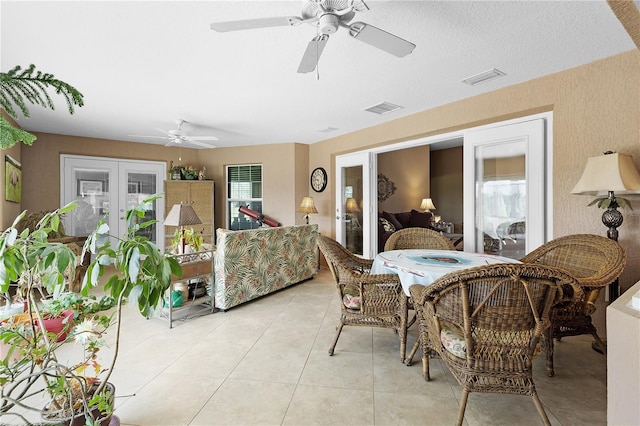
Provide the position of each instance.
(60, 326)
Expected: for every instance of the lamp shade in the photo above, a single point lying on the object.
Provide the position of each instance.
(427, 204)
(307, 206)
(352, 205)
(609, 172)
(182, 215)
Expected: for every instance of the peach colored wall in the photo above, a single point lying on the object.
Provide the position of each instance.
(595, 107)
(9, 210)
(409, 170)
(282, 176)
(41, 162)
(446, 184)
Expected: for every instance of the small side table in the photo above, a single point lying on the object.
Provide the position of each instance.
(197, 265)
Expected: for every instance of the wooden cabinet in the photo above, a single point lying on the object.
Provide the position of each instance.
(198, 193)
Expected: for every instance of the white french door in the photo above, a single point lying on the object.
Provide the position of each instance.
(504, 189)
(354, 219)
(107, 188)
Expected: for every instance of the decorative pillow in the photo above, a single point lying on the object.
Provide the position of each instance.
(452, 340)
(386, 225)
(403, 218)
(420, 219)
(392, 219)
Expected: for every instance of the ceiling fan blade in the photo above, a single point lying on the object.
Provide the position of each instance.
(250, 24)
(312, 53)
(203, 138)
(202, 144)
(148, 136)
(381, 39)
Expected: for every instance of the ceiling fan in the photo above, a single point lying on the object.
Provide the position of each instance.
(180, 137)
(327, 16)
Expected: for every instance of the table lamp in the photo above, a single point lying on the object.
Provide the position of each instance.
(609, 174)
(182, 215)
(307, 206)
(427, 205)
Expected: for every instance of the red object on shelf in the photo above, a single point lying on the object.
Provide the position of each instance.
(259, 217)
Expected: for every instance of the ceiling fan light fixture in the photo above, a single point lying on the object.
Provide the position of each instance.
(483, 77)
(328, 23)
(383, 108)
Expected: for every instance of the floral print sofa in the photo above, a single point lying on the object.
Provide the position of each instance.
(252, 263)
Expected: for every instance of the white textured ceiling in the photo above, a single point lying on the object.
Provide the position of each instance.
(142, 65)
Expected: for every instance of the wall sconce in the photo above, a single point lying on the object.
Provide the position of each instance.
(182, 215)
(427, 205)
(307, 206)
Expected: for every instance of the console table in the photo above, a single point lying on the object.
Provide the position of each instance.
(196, 267)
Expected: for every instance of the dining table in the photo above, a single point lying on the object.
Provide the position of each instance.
(423, 266)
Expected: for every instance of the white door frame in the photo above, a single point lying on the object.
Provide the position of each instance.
(445, 139)
(119, 168)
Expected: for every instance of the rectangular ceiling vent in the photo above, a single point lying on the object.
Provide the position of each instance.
(383, 108)
(483, 77)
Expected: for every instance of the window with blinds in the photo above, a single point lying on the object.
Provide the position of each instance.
(244, 188)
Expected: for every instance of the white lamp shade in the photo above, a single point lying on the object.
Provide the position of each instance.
(182, 215)
(427, 204)
(610, 172)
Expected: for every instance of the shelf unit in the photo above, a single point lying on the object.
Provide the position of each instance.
(195, 266)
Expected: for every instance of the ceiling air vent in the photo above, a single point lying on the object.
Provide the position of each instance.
(383, 108)
(483, 77)
(328, 130)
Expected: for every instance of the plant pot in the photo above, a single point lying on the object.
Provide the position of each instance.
(80, 419)
(60, 326)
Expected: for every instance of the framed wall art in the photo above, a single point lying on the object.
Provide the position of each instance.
(88, 187)
(12, 179)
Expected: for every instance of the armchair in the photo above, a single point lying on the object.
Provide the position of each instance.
(485, 323)
(596, 262)
(365, 300)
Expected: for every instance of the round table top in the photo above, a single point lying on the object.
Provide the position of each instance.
(418, 266)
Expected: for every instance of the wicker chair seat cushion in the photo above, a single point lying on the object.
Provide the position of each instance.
(351, 297)
(452, 340)
(351, 302)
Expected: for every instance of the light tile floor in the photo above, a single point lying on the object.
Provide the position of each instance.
(266, 363)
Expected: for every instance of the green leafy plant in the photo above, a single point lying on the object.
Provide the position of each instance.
(31, 366)
(191, 237)
(17, 87)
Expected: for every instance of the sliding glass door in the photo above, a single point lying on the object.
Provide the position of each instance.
(504, 189)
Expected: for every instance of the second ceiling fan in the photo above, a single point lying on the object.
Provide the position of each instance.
(327, 16)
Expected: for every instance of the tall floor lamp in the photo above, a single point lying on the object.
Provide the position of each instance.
(182, 215)
(605, 176)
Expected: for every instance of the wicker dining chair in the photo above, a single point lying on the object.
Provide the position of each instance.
(485, 323)
(365, 300)
(596, 262)
(417, 238)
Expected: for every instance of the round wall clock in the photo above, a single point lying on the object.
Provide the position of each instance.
(318, 179)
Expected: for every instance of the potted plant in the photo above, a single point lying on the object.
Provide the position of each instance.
(193, 240)
(79, 388)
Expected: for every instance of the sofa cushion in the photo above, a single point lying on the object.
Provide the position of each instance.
(420, 219)
(404, 218)
(386, 225)
(391, 217)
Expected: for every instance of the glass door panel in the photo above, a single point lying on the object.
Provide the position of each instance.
(504, 189)
(353, 201)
